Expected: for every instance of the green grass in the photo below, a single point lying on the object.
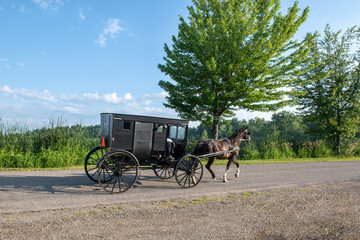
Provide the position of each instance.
(41, 169)
(286, 160)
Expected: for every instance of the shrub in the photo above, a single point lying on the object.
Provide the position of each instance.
(249, 152)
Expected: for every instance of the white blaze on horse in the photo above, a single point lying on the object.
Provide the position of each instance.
(227, 148)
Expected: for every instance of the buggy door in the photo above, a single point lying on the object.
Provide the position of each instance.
(143, 136)
(159, 138)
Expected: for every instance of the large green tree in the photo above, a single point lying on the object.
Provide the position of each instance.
(331, 100)
(231, 55)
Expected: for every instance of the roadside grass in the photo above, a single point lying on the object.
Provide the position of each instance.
(41, 169)
(217, 162)
(285, 160)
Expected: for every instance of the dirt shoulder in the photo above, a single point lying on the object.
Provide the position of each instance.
(327, 211)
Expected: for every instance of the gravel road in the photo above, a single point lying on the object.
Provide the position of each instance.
(270, 201)
(43, 190)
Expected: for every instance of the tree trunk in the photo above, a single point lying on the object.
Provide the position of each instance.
(338, 145)
(215, 129)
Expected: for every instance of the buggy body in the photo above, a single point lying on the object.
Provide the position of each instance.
(143, 136)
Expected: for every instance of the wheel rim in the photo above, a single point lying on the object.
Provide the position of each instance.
(117, 172)
(189, 171)
(164, 172)
(92, 162)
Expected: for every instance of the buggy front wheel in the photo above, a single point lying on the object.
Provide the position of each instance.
(188, 171)
(118, 171)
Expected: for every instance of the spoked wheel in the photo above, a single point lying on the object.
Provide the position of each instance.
(118, 171)
(92, 160)
(188, 171)
(164, 172)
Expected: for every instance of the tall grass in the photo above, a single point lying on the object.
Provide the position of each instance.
(54, 145)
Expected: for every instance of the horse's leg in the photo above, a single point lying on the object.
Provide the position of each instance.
(238, 167)
(227, 169)
(208, 166)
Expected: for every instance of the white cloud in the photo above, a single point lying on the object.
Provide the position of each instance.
(147, 102)
(153, 109)
(42, 105)
(24, 93)
(6, 89)
(112, 98)
(101, 40)
(127, 96)
(243, 114)
(72, 110)
(48, 4)
(81, 14)
(112, 29)
(22, 8)
(150, 98)
(92, 96)
(157, 95)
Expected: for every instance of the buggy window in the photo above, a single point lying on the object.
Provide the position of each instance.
(160, 129)
(173, 132)
(127, 126)
(181, 133)
(177, 132)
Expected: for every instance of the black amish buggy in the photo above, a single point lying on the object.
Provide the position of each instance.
(129, 143)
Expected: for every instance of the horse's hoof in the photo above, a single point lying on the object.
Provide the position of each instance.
(225, 180)
(237, 175)
(214, 178)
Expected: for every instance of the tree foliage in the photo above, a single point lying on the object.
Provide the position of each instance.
(331, 100)
(231, 55)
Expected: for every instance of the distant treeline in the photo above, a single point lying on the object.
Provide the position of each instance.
(59, 145)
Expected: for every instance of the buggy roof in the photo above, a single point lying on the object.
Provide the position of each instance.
(139, 118)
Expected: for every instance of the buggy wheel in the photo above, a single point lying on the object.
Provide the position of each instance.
(118, 171)
(164, 172)
(92, 162)
(188, 171)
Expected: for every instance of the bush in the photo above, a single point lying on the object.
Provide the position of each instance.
(351, 149)
(270, 150)
(287, 150)
(249, 152)
(315, 149)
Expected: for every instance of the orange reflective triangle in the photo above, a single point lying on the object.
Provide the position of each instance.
(103, 142)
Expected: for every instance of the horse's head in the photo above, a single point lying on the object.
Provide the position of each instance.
(246, 136)
(241, 134)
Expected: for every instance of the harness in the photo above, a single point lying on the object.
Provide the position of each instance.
(229, 142)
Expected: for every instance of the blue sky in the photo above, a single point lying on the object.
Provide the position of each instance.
(76, 59)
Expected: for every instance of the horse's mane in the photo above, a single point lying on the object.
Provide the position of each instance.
(236, 133)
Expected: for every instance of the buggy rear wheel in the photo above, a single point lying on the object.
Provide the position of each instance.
(92, 162)
(188, 171)
(118, 171)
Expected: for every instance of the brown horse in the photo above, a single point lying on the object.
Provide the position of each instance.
(215, 146)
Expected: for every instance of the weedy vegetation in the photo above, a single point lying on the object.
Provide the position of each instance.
(58, 145)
